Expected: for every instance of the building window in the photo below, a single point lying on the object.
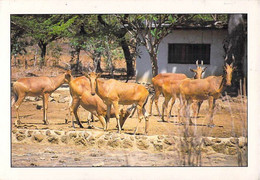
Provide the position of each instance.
(188, 53)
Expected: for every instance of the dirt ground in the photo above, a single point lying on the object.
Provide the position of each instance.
(230, 118)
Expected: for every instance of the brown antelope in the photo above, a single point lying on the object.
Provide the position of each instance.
(162, 78)
(37, 86)
(80, 92)
(209, 88)
(77, 87)
(114, 92)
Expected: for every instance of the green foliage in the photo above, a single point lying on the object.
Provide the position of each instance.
(86, 32)
(41, 29)
(55, 52)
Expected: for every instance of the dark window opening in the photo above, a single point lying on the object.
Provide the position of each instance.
(188, 53)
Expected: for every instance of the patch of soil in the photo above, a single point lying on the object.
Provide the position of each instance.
(230, 118)
(39, 155)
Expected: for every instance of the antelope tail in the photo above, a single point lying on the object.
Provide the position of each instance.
(14, 97)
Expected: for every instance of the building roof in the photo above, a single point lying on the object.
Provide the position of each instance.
(202, 25)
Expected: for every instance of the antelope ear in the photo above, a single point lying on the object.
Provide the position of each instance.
(86, 74)
(192, 70)
(98, 75)
(204, 69)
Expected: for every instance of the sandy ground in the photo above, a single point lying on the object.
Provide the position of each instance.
(230, 118)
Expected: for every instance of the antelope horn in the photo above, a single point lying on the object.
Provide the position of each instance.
(197, 63)
(202, 62)
(233, 57)
(226, 58)
(88, 67)
(69, 67)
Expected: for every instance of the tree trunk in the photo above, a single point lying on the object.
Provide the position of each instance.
(96, 62)
(77, 61)
(235, 45)
(43, 47)
(129, 60)
(153, 58)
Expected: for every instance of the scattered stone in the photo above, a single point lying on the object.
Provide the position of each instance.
(53, 140)
(242, 142)
(168, 141)
(61, 161)
(137, 137)
(55, 96)
(158, 147)
(98, 164)
(29, 133)
(48, 133)
(229, 144)
(72, 135)
(51, 99)
(160, 137)
(77, 159)
(39, 107)
(107, 137)
(91, 138)
(234, 140)
(113, 143)
(219, 147)
(20, 137)
(207, 142)
(122, 136)
(144, 137)
(86, 135)
(114, 136)
(142, 144)
(29, 98)
(33, 164)
(132, 138)
(58, 132)
(217, 140)
(38, 137)
(101, 143)
(231, 150)
(127, 143)
(63, 99)
(54, 157)
(22, 131)
(49, 151)
(64, 139)
(171, 148)
(80, 141)
(37, 98)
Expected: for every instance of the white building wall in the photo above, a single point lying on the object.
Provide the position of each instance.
(213, 37)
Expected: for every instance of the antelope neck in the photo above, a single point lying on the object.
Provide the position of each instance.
(58, 80)
(222, 84)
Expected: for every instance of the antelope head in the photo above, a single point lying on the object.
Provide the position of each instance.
(228, 70)
(228, 73)
(199, 70)
(92, 76)
(68, 76)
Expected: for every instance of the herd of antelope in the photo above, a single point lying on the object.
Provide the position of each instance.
(102, 97)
